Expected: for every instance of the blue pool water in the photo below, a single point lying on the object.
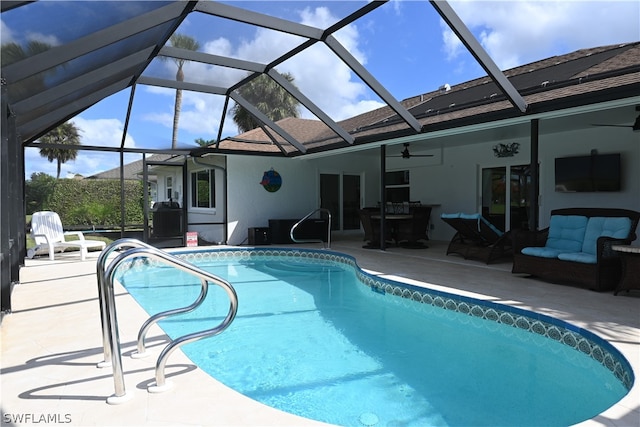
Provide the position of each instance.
(317, 337)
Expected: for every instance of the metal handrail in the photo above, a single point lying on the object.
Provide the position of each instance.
(142, 334)
(328, 245)
(110, 318)
(100, 267)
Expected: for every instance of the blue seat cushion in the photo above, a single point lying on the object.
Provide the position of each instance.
(566, 232)
(616, 227)
(542, 251)
(451, 215)
(475, 216)
(582, 257)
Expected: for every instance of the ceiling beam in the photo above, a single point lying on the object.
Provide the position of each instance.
(74, 85)
(259, 19)
(466, 37)
(207, 58)
(60, 54)
(267, 121)
(370, 81)
(174, 84)
(225, 107)
(273, 139)
(56, 117)
(369, 7)
(310, 106)
(6, 5)
(256, 67)
(118, 149)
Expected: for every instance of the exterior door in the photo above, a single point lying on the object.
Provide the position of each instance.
(505, 196)
(341, 194)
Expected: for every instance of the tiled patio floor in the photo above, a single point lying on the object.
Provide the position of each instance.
(51, 342)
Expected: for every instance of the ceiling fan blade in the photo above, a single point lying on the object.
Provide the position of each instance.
(611, 126)
(406, 155)
(414, 155)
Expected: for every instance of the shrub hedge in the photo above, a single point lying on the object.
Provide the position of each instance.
(96, 202)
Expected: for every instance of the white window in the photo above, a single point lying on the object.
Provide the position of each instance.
(169, 186)
(203, 193)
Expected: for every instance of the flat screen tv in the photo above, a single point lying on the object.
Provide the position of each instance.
(598, 172)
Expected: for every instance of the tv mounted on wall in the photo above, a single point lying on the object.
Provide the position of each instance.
(597, 172)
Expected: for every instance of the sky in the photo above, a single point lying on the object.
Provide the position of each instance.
(404, 44)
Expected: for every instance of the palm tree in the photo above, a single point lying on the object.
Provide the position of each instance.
(183, 42)
(65, 134)
(203, 142)
(13, 52)
(267, 96)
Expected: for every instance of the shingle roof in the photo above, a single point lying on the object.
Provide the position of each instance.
(132, 170)
(577, 78)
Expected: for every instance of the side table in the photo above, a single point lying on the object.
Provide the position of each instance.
(630, 267)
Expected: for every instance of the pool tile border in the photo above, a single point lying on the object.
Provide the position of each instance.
(555, 329)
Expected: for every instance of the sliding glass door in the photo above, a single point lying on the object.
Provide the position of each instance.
(340, 193)
(505, 196)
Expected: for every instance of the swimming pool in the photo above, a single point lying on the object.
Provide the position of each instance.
(318, 337)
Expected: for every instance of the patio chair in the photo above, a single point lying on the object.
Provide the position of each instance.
(476, 238)
(47, 231)
(371, 227)
(411, 232)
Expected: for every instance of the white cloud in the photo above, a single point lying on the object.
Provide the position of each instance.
(5, 32)
(50, 39)
(102, 132)
(521, 31)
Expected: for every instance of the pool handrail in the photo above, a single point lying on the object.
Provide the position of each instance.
(112, 323)
(293, 228)
(142, 333)
(100, 271)
(189, 338)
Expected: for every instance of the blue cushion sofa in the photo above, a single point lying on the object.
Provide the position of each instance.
(576, 248)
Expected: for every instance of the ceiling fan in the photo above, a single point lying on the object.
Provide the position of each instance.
(406, 155)
(634, 127)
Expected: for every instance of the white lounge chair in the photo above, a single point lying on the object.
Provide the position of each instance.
(46, 230)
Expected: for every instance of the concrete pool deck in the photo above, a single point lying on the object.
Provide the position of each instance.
(51, 342)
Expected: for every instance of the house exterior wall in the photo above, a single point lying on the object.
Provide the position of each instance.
(450, 180)
(580, 143)
(250, 205)
(454, 184)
